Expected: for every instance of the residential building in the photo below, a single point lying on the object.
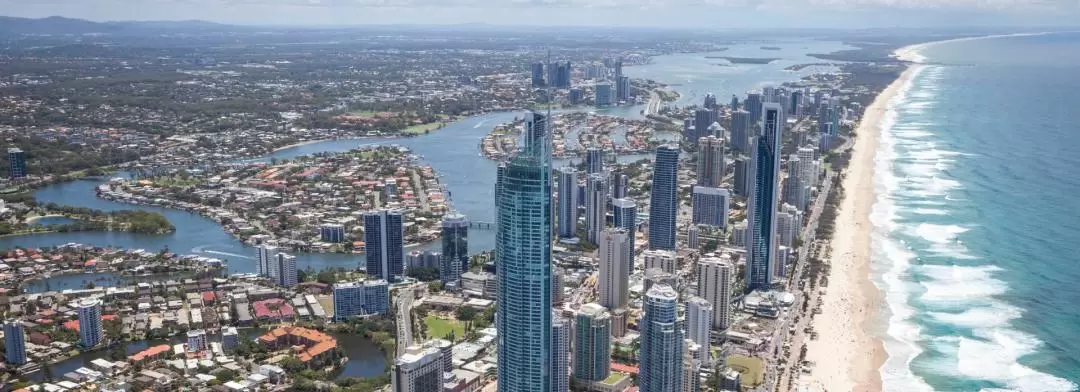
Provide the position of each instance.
(753, 104)
(616, 263)
(455, 248)
(230, 339)
(592, 343)
(332, 232)
(16, 163)
(15, 342)
(624, 216)
(603, 95)
(596, 200)
(662, 259)
(285, 270)
(715, 284)
(384, 243)
(264, 259)
(661, 349)
(711, 206)
(537, 74)
(763, 198)
(348, 300)
(699, 324)
(90, 328)
(196, 340)
(620, 186)
(419, 369)
(594, 160)
(710, 161)
(567, 199)
(622, 88)
(740, 131)
(376, 296)
(523, 243)
(664, 202)
(560, 353)
(741, 180)
(423, 260)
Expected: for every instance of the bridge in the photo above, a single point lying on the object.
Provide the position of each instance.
(480, 225)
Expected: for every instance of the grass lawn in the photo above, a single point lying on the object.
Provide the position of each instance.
(438, 328)
(423, 128)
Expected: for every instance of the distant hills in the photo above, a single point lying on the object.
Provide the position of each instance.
(61, 26)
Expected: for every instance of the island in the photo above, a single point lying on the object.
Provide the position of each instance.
(572, 133)
(771, 48)
(749, 60)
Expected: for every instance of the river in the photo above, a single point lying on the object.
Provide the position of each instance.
(452, 150)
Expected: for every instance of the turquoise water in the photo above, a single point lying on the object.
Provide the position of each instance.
(976, 216)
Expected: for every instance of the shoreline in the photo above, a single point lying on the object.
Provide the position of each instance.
(849, 353)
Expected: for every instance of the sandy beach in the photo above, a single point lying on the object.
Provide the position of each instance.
(848, 354)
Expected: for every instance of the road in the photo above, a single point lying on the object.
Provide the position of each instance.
(418, 184)
(404, 304)
(654, 104)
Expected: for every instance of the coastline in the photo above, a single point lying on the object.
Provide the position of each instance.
(849, 352)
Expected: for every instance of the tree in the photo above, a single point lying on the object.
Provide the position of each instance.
(435, 286)
(466, 313)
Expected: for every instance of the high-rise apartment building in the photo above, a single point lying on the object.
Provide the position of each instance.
(624, 216)
(616, 263)
(710, 161)
(16, 163)
(455, 248)
(15, 342)
(560, 353)
(419, 369)
(594, 160)
(568, 205)
(715, 281)
(285, 268)
(592, 343)
(711, 206)
(384, 241)
(90, 328)
(699, 324)
(596, 201)
(664, 201)
(661, 342)
(264, 259)
(662, 259)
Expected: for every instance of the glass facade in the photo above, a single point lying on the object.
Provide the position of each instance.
(761, 219)
(661, 342)
(523, 245)
(664, 203)
(455, 247)
(384, 241)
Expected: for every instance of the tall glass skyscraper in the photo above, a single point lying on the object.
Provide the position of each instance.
(384, 241)
(16, 163)
(523, 244)
(762, 201)
(568, 211)
(664, 201)
(455, 247)
(596, 201)
(560, 353)
(90, 328)
(661, 342)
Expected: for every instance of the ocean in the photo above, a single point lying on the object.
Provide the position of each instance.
(976, 215)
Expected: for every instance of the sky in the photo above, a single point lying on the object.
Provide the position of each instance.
(625, 13)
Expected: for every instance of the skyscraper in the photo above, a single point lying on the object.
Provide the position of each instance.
(715, 280)
(596, 199)
(741, 180)
(622, 88)
(455, 248)
(703, 118)
(734, 102)
(620, 186)
(568, 210)
(348, 300)
(560, 353)
(90, 328)
(710, 101)
(523, 243)
(691, 367)
(264, 259)
(16, 163)
(753, 106)
(285, 266)
(15, 342)
(594, 160)
(603, 94)
(592, 343)
(538, 74)
(624, 214)
(664, 201)
(711, 206)
(699, 323)
(710, 161)
(616, 262)
(740, 131)
(384, 239)
(419, 369)
(661, 342)
(762, 201)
